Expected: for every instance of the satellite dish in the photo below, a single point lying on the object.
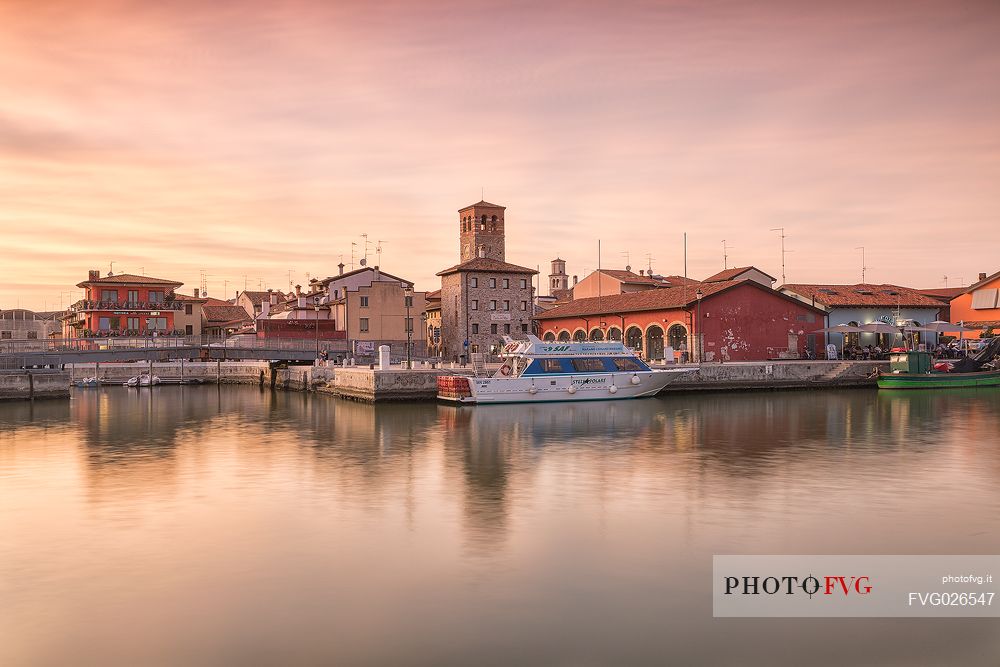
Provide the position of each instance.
(364, 262)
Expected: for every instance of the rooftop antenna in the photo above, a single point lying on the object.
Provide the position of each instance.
(628, 263)
(649, 262)
(142, 270)
(378, 253)
(725, 256)
(863, 267)
(685, 258)
(946, 281)
(290, 285)
(225, 288)
(354, 245)
(783, 251)
(244, 282)
(204, 283)
(111, 269)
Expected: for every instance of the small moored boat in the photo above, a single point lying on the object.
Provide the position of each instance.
(536, 371)
(142, 380)
(914, 370)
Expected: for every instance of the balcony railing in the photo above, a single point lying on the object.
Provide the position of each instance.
(85, 304)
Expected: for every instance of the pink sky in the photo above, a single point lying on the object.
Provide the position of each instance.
(256, 138)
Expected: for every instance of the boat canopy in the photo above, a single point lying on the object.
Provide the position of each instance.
(535, 347)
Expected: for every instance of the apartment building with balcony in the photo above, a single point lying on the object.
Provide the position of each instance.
(123, 304)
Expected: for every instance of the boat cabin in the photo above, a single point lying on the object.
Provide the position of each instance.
(910, 362)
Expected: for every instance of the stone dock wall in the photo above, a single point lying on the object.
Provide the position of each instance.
(29, 385)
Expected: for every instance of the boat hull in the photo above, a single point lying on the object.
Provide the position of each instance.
(938, 380)
(551, 389)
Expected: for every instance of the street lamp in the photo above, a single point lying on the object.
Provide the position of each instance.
(701, 338)
(408, 299)
(316, 308)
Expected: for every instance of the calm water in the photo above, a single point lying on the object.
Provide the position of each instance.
(226, 525)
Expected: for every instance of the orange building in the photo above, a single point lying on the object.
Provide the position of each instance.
(979, 305)
(123, 304)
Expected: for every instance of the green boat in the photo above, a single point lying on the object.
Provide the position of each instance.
(913, 370)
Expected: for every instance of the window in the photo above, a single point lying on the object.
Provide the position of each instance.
(493, 282)
(156, 324)
(475, 304)
(6, 335)
(588, 365)
(524, 283)
(524, 327)
(364, 302)
(363, 324)
(551, 366)
(493, 304)
(132, 324)
(109, 295)
(493, 329)
(32, 335)
(506, 328)
(188, 309)
(506, 305)
(473, 282)
(506, 283)
(409, 324)
(133, 296)
(627, 364)
(475, 328)
(524, 305)
(188, 330)
(984, 299)
(103, 323)
(155, 297)
(408, 302)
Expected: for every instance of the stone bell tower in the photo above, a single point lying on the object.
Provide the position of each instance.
(481, 231)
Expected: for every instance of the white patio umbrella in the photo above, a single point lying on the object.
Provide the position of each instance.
(841, 328)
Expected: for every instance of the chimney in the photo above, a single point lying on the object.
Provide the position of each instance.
(982, 277)
(298, 290)
(272, 297)
(93, 275)
(341, 267)
(197, 293)
(574, 281)
(265, 308)
(642, 272)
(378, 274)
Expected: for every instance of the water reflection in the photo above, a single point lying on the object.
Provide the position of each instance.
(525, 534)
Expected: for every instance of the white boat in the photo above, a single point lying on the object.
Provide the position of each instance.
(535, 371)
(142, 380)
(88, 382)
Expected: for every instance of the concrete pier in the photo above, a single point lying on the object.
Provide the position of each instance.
(374, 386)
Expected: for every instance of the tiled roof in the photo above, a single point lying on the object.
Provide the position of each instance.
(680, 280)
(487, 265)
(630, 277)
(631, 302)
(129, 278)
(257, 298)
(433, 295)
(731, 274)
(186, 297)
(382, 274)
(987, 279)
(224, 314)
(863, 295)
(481, 204)
(943, 294)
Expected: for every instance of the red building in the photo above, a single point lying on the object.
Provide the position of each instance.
(123, 304)
(735, 320)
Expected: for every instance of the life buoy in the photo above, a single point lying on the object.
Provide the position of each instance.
(505, 370)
